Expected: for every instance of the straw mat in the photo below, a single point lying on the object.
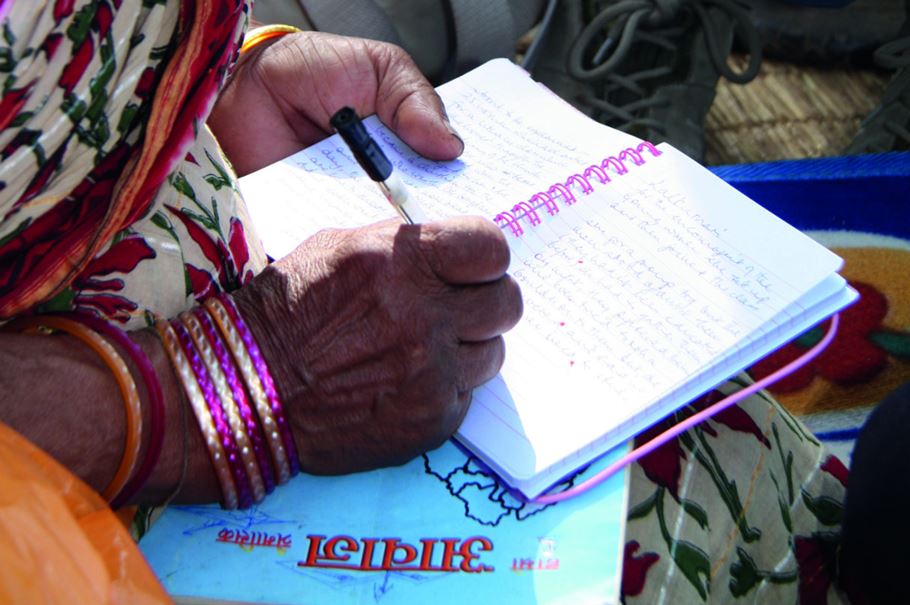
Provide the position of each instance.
(789, 111)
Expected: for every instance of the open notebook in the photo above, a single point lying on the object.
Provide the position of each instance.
(646, 279)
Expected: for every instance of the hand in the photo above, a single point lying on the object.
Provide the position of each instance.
(281, 95)
(376, 336)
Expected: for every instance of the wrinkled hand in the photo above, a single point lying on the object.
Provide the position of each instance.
(280, 98)
(376, 336)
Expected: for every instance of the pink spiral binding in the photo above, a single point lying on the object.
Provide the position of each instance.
(547, 201)
(650, 147)
(528, 211)
(582, 182)
(633, 155)
(599, 172)
(557, 188)
(509, 219)
(618, 166)
(614, 163)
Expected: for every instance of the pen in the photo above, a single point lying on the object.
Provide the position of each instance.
(375, 163)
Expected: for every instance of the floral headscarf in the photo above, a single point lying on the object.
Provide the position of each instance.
(103, 102)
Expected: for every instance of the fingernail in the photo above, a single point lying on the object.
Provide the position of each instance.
(454, 133)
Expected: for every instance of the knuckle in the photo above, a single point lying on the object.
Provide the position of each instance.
(429, 247)
(499, 353)
(515, 299)
(491, 242)
(390, 56)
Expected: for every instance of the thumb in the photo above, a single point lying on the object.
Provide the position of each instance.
(413, 110)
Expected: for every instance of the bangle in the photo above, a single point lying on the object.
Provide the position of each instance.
(258, 35)
(125, 381)
(212, 401)
(258, 382)
(247, 415)
(248, 471)
(268, 385)
(201, 411)
(155, 400)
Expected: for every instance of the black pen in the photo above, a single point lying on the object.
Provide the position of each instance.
(375, 163)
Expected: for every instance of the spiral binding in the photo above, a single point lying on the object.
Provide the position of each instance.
(545, 200)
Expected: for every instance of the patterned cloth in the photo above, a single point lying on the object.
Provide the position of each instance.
(115, 199)
(109, 178)
(746, 507)
(856, 206)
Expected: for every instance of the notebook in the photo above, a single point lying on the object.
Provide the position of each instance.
(646, 279)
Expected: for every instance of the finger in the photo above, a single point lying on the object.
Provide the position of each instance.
(483, 312)
(465, 250)
(478, 362)
(464, 402)
(408, 104)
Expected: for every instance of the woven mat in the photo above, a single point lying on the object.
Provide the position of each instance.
(789, 112)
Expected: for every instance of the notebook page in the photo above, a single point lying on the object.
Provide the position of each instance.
(628, 293)
(828, 298)
(518, 137)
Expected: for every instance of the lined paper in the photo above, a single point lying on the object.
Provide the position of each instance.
(646, 291)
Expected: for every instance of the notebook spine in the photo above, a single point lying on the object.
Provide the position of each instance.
(561, 193)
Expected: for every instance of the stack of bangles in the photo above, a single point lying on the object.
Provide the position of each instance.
(234, 399)
(228, 386)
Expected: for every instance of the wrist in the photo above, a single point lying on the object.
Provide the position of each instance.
(183, 452)
(262, 316)
(284, 356)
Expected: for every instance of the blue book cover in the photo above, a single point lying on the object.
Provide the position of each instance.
(440, 528)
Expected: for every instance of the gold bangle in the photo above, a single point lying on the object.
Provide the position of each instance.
(228, 404)
(201, 411)
(261, 34)
(125, 381)
(254, 386)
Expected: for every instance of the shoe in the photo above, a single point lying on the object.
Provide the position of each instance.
(842, 32)
(887, 128)
(647, 67)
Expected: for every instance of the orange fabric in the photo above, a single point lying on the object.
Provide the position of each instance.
(59, 542)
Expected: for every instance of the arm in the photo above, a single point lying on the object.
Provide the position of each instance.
(375, 337)
(60, 395)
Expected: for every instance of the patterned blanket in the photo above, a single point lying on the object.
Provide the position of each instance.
(857, 206)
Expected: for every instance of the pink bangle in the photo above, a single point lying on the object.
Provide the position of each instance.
(224, 398)
(266, 377)
(200, 411)
(254, 387)
(247, 414)
(240, 485)
(155, 399)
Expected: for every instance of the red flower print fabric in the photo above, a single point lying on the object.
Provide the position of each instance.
(744, 508)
